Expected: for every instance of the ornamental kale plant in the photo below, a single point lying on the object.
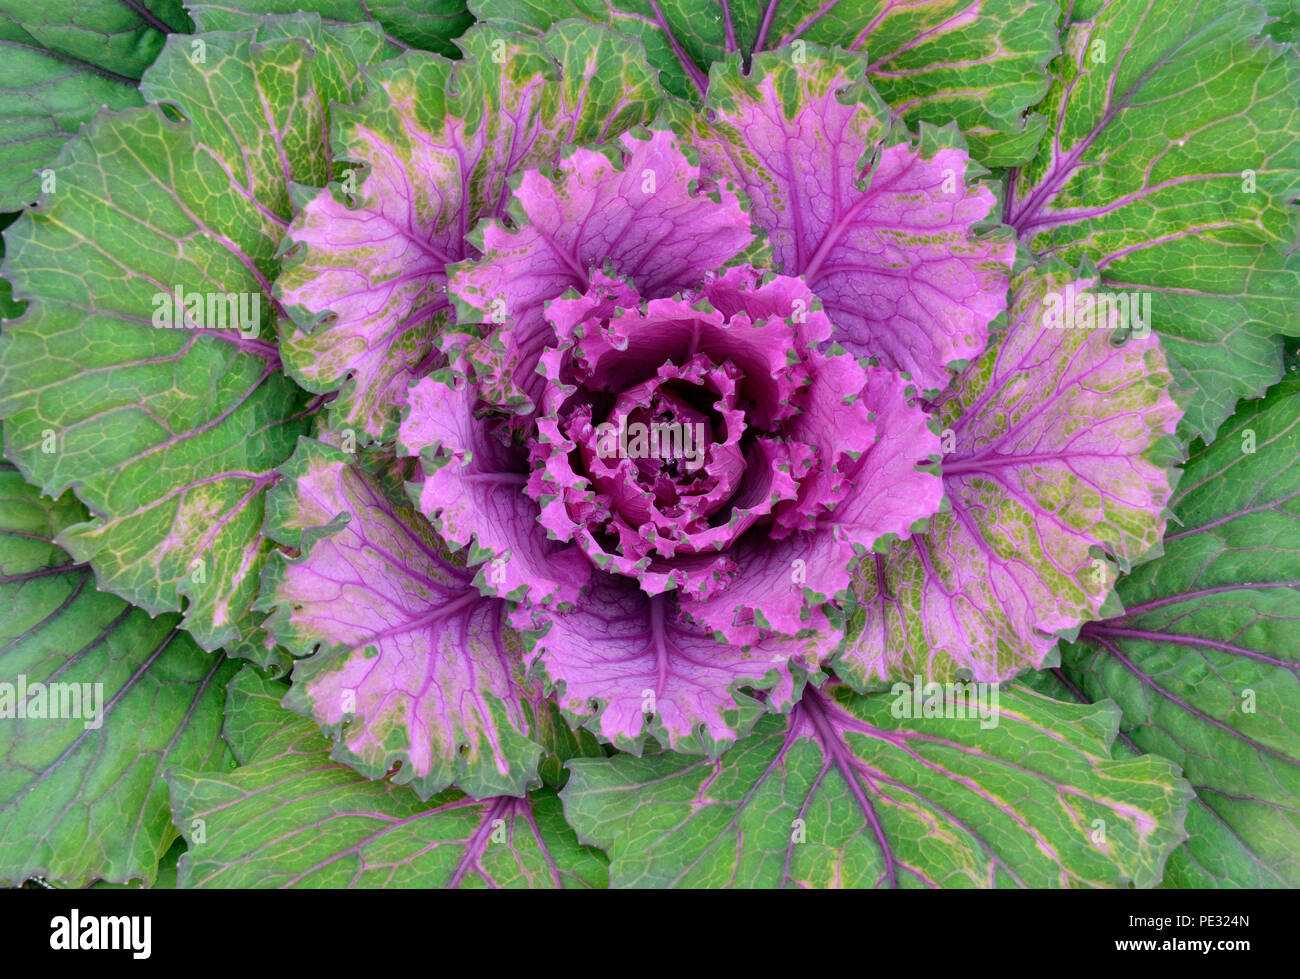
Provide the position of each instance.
(682, 444)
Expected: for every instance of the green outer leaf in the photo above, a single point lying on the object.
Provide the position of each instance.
(1144, 175)
(980, 62)
(117, 37)
(938, 802)
(254, 715)
(1213, 622)
(171, 436)
(60, 61)
(560, 741)
(79, 803)
(293, 818)
(1212, 855)
(8, 308)
(1287, 26)
(44, 100)
(428, 24)
(1282, 26)
(166, 879)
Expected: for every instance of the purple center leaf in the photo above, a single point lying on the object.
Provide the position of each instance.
(414, 671)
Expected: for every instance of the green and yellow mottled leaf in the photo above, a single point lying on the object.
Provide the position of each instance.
(83, 797)
(845, 793)
(1173, 164)
(1056, 469)
(291, 817)
(170, 436)
(979, 62)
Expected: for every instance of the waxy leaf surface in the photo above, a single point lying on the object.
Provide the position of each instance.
(83, 797)
(1172, 164)
(291, 817)
(1205, 659)
(844, 793)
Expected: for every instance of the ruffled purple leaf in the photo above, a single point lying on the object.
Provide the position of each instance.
(779, 587)
(855, 501)
(884, 236)
(641, 207)
(626, 665)
(408, 667)
(745, 360)
(473, 493)
(365, 276)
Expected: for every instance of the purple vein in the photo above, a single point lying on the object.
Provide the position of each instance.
(766, 26)
(1101, 628)
(1056, 179)
(732, 47)
(85, 65)
(1271, 505)
(691, 68)
(148, 17)
(811, 705)
(1201, 715)
(476, 842)
(107, 708)
(1201, 593)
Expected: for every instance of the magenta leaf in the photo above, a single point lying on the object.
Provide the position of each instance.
(1057, 476)
(625, 665)
(891, 489)
(777, 586)
(885, 236)
(824, 467)
(640, 207)
(670, 532)
(408, 667)
(473, 492)
(365, 277)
